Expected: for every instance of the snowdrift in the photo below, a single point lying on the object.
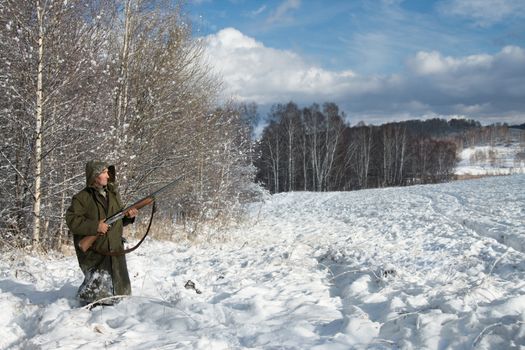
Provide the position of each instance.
(434, 267)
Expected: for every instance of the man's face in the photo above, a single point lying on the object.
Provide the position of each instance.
(102, 179)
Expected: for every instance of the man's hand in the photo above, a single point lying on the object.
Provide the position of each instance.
(132, 213)
(102, 228)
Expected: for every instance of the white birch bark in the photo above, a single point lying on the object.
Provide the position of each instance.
(38, 129)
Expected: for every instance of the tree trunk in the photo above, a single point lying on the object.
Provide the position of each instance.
(38, 130)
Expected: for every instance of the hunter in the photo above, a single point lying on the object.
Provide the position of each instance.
(104, 276)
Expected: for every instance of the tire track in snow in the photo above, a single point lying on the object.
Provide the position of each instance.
(366, 290)
(482, 227)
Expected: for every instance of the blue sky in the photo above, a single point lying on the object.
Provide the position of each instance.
(378, 60)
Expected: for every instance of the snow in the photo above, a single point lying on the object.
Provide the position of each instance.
(422, 267)
(492, 160)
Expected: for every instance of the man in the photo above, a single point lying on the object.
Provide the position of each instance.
(104, 276)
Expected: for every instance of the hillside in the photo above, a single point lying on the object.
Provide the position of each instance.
(491, 160)
(434, 266)
(503, 156)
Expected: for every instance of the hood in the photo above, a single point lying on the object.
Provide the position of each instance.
(95, 167)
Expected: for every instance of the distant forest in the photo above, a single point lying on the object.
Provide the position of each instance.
(314, 149)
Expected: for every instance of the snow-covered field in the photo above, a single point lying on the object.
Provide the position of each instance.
(423, 267)
(487, 160)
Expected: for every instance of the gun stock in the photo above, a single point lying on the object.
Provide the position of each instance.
(86, 243)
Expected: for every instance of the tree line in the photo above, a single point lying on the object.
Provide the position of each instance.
(118, 80)
(313, 149)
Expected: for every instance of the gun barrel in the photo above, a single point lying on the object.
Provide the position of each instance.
(114, 218)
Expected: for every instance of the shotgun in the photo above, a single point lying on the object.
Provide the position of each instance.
(86, 242)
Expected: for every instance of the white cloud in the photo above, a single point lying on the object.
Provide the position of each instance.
(472, 109)
(484, 12)
(425, 63)
(252, 71)
(482, 86)
(282, 10)
(506, 65)
(258, 11)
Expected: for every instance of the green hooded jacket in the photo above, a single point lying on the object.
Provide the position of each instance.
(104, 275)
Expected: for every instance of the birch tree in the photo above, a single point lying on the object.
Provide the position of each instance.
(270, 157)
(394, 148)
(364, 151)
(47, 76)
(122, 81)
(323, 133)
